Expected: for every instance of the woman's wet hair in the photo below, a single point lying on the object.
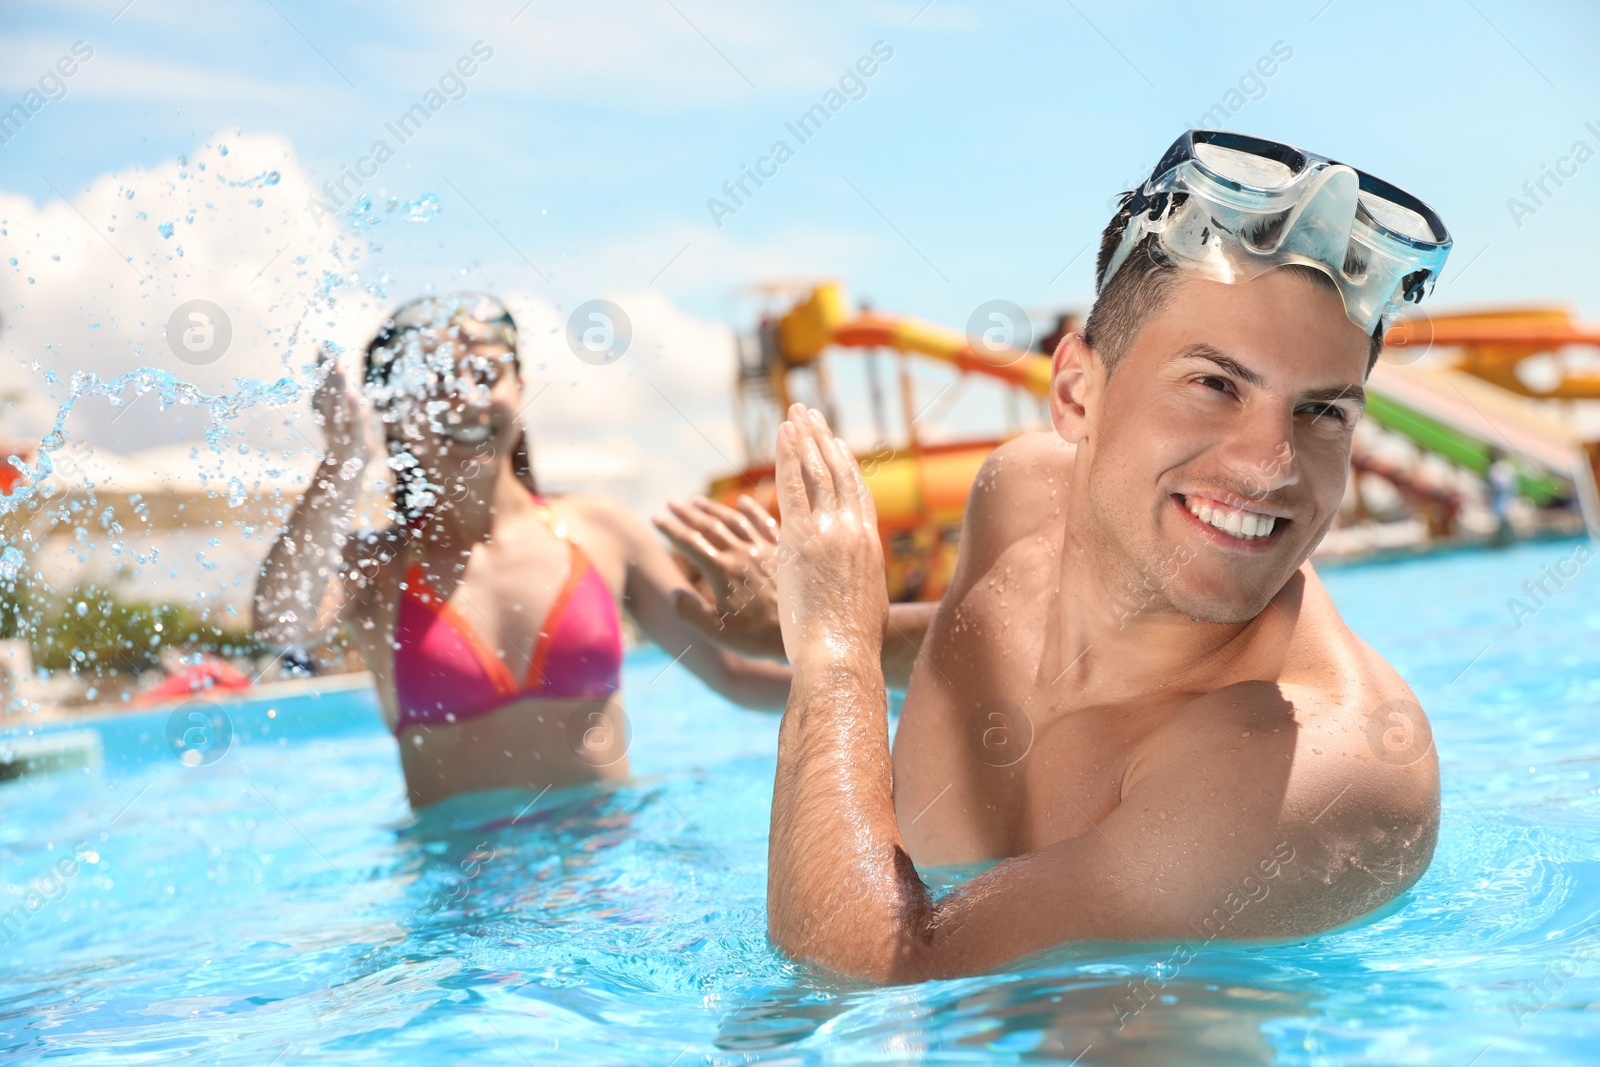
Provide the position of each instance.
(395, 368)
(479, 314)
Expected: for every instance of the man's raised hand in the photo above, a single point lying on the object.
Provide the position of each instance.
(833, 602)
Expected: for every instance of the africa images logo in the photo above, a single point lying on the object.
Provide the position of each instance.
(199, 332)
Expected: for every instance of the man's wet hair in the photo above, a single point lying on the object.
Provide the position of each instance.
(1143, 285)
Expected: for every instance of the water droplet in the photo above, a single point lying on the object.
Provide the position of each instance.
(165, 229)
(423, 209)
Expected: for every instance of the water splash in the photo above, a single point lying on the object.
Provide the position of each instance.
(145, 534)
(170, 390)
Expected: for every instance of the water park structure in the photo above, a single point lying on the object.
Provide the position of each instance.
(1456, 393)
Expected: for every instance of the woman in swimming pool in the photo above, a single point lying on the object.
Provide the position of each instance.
(487, 614)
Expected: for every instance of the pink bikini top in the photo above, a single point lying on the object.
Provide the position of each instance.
(445, 672)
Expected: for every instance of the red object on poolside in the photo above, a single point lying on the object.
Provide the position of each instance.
(10, 473)
(207, 674)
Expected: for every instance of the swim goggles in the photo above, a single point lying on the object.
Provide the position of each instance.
(465, 316)
(1232, 206)
(476, 316)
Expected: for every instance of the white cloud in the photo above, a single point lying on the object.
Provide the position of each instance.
(651, 57)
(124, 77)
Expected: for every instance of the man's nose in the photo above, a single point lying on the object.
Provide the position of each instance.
(1259, 452)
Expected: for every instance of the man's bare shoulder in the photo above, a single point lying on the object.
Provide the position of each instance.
(1020, 489)
(1341, 760)
(1354, 699)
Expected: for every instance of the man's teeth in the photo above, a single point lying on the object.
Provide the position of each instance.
(468, 434)
(1245, 525)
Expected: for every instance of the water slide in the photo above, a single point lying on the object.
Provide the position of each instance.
(1465, 419)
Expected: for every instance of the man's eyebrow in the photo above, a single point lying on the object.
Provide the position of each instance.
(1227, 363)
(1330, 393)
(1325, 395)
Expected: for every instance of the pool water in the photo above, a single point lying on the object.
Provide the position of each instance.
(281, 905)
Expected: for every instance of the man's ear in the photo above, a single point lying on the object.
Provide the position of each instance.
(1072, 371)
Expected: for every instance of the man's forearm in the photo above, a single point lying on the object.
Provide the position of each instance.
(841, 889)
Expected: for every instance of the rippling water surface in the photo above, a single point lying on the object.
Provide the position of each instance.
(282, 906)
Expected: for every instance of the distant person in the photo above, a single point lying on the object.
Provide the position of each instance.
(1066, 322)
(488, 614)
(1502, 478)
(186, 676)
(1136, 696)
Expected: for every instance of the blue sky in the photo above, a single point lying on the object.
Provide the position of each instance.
(977, 165)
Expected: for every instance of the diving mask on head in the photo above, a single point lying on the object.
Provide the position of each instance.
(1232, 207)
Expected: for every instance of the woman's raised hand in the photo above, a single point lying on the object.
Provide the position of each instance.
(733, 550)
(338, 407)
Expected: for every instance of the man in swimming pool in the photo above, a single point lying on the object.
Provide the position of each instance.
(1136, 695)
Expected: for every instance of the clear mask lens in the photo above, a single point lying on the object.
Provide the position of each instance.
(1397, 218)
(1244, 168)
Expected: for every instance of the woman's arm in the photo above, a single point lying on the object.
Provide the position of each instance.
(737, 553)
(653, 581)
(902, 641)
(298, 598)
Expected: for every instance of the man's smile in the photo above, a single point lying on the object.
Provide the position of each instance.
(1231, 522)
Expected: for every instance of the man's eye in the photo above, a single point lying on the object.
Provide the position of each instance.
(1320, 411)
(1212, 381)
